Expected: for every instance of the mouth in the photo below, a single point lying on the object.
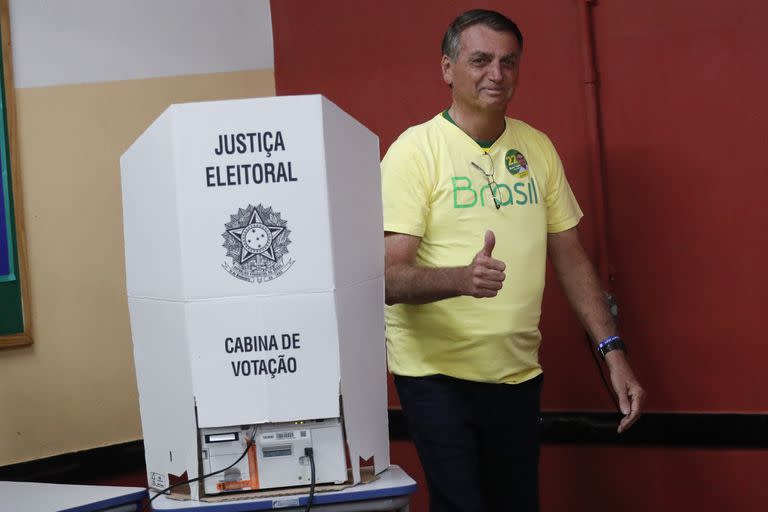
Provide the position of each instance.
(494, 91)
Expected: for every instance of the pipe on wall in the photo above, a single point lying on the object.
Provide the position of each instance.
(595, 148)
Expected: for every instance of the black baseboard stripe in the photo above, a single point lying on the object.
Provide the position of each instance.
(79, 467)
(707, 431)
(712, 431)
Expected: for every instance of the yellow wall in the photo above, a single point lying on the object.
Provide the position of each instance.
(75, 387)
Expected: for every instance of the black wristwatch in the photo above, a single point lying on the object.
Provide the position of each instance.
(613, 343)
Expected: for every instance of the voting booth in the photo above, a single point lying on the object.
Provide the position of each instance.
(254, 267)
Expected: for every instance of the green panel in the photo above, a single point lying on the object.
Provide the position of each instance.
(11, 316)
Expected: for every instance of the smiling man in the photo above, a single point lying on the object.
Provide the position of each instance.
(473, 203)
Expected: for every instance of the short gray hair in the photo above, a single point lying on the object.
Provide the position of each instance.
(491, 19)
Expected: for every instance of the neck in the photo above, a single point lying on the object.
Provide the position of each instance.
(480, 125)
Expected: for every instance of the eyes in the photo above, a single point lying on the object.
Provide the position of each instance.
(510, 62)
(479, 61)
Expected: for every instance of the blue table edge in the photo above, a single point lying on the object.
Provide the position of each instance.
(136, 496)
(323, 498)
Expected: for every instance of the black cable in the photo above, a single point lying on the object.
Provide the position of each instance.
(308, 453)
(247, 447)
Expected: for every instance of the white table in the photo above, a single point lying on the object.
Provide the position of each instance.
(39, 497)
(390, 491)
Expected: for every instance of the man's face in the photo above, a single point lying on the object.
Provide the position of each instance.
(484, 75)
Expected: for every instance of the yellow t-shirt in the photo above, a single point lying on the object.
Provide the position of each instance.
(432, 190)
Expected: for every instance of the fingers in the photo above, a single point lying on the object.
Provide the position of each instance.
(488, 274)
(489, 244)
(484, 289)
(624, 406)
(634, 398)
(486, 265)
(628, 421)
(486, 282)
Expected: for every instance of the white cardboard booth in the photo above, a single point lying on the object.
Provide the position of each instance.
(254, 266)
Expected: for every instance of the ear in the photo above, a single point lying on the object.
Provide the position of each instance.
(447, 66)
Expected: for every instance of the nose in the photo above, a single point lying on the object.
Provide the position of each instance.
(494, 71)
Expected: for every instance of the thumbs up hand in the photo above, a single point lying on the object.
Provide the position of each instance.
(485, 275)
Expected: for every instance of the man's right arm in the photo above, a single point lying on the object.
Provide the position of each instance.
(409, 283)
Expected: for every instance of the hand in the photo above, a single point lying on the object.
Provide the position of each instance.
(626, 387)
(485, 275)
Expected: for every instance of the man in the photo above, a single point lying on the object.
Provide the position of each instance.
(473, 202)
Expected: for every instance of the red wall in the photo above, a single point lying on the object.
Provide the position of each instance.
(682, 97)
(684, 106)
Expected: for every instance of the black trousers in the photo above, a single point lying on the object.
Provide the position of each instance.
(478, 443)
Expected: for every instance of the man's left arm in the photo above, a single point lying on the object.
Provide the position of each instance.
(581, 285)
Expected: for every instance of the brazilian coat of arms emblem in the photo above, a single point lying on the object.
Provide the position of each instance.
(256, 239)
